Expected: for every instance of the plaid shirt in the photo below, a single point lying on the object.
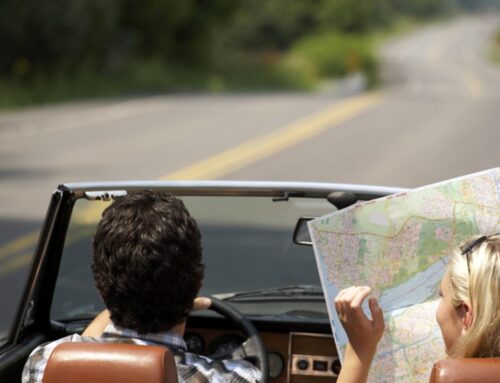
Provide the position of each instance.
(191, 368)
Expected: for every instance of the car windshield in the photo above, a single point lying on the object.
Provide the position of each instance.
(247, 247)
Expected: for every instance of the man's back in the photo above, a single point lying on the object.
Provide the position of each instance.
(190, 367)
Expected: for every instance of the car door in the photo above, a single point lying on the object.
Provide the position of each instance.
(29, 321)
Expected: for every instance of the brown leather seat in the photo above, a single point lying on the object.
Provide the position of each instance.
(110, 363)
(467, 370)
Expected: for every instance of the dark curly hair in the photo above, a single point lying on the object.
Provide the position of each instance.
(147, 261)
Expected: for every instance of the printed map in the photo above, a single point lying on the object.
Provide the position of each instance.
(399, 245)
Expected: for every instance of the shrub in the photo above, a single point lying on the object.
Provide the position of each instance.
(335, 54)
(495, 51)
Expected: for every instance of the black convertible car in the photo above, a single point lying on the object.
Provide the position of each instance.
(256, 262)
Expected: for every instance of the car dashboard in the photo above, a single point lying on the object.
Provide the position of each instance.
(298, 351)
(293, 358)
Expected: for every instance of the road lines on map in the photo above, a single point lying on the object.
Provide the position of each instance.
(18, 252)
(404, 224)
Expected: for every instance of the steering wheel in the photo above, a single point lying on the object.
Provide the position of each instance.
(253, 347)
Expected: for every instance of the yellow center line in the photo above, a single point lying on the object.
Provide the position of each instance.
(19, 244)
(257, 149)
(15, 263)
(240, 156)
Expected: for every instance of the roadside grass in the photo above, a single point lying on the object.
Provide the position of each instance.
(153, 77)
(310, 63)
(495, 49)
(334, 55)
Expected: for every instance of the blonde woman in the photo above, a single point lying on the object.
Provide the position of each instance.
(468, 313)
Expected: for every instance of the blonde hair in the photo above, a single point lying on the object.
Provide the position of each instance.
(480, 288)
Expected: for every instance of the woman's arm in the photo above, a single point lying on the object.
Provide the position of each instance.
(363, 333)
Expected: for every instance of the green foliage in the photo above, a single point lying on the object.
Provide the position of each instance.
(153, 76)
(60, 36)
(85, 48)
(270, 25)
(335, 54)
(495, 48)
(358, 16)
(268, 70)
(54, 35)
(172, 30)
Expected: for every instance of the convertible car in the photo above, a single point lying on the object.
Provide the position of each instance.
(258, 265)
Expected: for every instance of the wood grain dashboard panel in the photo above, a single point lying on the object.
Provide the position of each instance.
(312, 358)
(318, 349)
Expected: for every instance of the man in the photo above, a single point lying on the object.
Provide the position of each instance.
(148, 269)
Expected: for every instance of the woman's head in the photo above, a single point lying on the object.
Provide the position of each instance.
(469, 311)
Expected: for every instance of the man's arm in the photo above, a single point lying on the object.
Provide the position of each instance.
(97, 326)
(363, 333)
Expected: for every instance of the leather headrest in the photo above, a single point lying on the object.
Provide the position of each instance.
(109, 363)
(467, 370)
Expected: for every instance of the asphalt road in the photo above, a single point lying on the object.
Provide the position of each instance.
(436, 118)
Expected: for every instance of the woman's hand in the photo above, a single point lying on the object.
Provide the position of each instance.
(363, 333)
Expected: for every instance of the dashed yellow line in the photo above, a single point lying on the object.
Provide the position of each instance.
(15, 263)
(262, 147)
(255, 150)
(226, 162)
(19, 244)
(21, 260)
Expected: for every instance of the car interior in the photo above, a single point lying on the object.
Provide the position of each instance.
(104, 363)
(260, 269)
(252, 263)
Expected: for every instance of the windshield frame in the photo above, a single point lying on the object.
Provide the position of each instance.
(34, 309)
(230, 188)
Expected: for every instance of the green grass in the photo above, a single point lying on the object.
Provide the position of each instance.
(495, 48)
(153, 77)
(334, 54)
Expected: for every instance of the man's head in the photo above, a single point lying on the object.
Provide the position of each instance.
(147, 261)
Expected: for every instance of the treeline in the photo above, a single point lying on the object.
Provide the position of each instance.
(204, 42)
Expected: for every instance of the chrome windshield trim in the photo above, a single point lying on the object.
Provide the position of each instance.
(235, 188)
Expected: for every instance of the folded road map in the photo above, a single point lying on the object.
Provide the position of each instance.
(399, 245)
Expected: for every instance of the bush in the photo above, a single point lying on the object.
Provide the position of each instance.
(267, 70)
(359, 16)
(258, 72)
(50, 36)
(335, 54)
(495, 49)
